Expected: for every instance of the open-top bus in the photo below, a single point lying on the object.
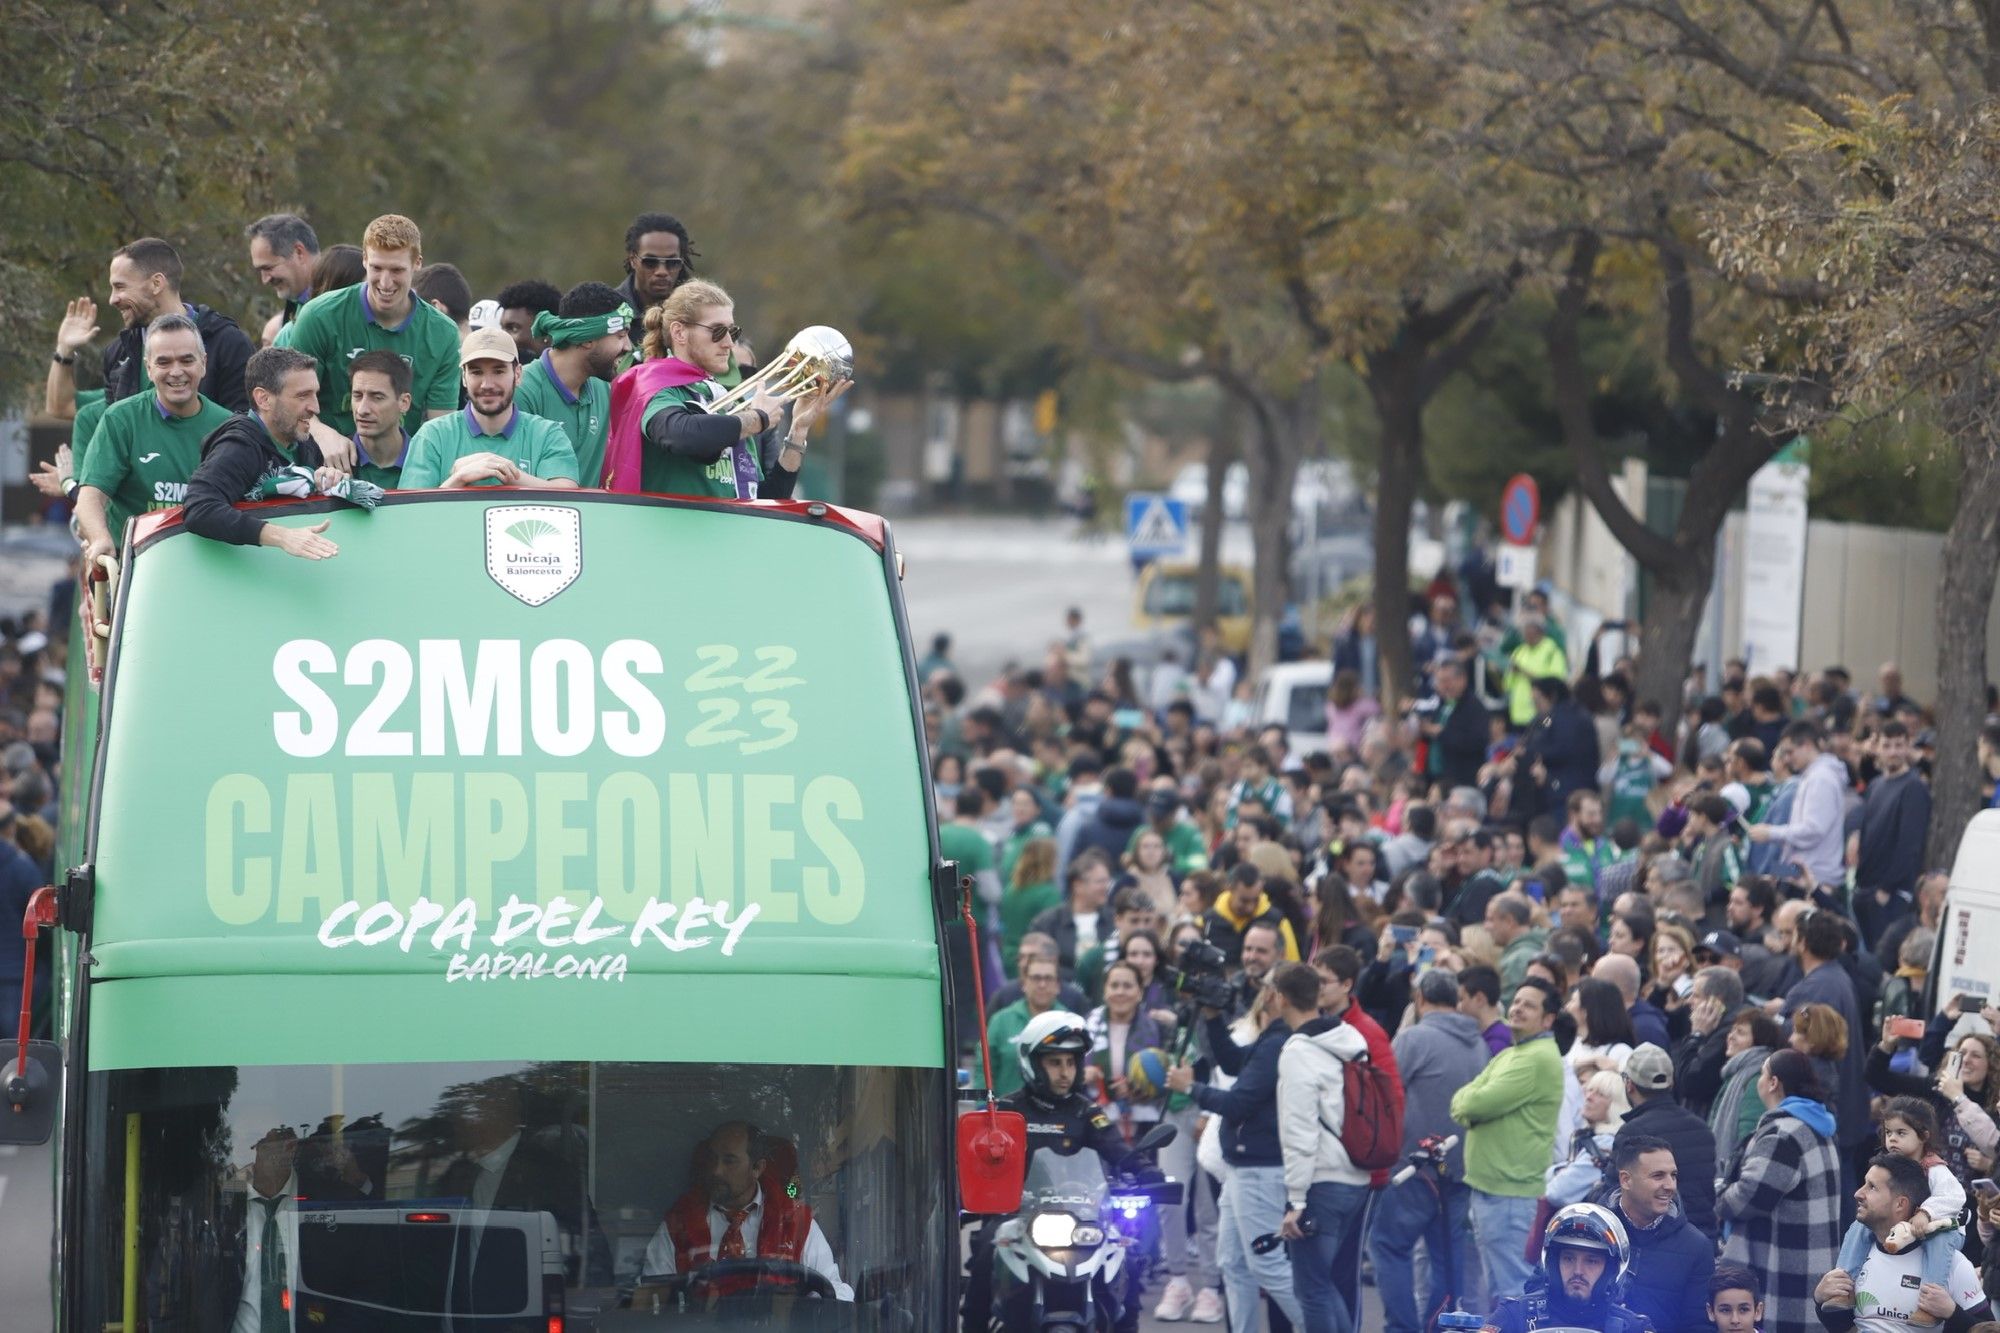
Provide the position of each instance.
(435, 903)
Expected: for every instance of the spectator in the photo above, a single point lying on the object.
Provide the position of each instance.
(1780, 1195)
(1561, 748)
(1963, 1094)
(1648, 1023)
(1457, 732)
(1892, 1191)
(1578, 1177)
(1649, 1086)
(381, 312)
(1585, 851)
(1818, 947)
(1732, 1117)
(1509, 922)
(1537, 657)
(1479, 1000)
(1671, 1260)
(1116, 820)
(1931, 890)
(1670, 969)
(1032, 892)
(1509, 1112)
(1121, 1028)
(1735, 1299)
(1441, 1052)
(1411, 847)
(1349, 713)
(1034, 944)
(1710, 843)
(1086, 789)
(1321, 1182)
(1811, 836)
(1041, 985)
(1603, 1041)
(1889, 845)
(1077, 925)
(1701, 1056)
(1242, 904)
(1910, 1131)
(1254, 1193)
(1630, 776)
(1820, 1034)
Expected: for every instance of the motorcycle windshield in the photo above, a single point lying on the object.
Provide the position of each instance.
(1072, 1183)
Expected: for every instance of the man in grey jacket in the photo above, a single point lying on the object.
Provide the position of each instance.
(1813, 837)
(1438, 1054)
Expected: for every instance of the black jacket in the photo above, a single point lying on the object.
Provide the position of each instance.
(1249, 1108)
(1461, 742)
(1694, 1153)
(234, 458)
(227, 346)
(1060, 924)
(688, 432)
(1541, 1308)
(1110, 828)
(1668, 1280)
(1698, 1063)
(1565, 740)
(1067, 1124)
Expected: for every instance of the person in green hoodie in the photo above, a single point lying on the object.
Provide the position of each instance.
(1509, 1113)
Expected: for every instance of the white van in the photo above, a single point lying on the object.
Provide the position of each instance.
(1967, 961)
(1293, 695)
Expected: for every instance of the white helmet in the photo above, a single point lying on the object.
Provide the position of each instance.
(1056, 1031)
(1589, 1226)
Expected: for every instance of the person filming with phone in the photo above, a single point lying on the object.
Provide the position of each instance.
(1963, 1093)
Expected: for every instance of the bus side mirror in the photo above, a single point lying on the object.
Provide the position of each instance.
(992, 1161)
(30, 1082)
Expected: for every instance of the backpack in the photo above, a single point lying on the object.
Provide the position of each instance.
(1371, 1120)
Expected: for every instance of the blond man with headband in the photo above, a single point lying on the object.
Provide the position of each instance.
(381, 312)
(664, 438)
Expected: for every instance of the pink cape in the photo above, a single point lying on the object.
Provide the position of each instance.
(624, 447)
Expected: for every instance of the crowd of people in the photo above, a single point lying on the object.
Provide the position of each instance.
(1645, 977)
(382, 372)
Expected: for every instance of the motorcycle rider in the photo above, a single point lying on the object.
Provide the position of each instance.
(1050, 1049)
(1585, 1258)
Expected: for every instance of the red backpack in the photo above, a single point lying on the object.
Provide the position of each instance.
(1371, 1122)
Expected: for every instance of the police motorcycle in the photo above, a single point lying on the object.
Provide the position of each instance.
(1562, 1298)
(1063, 1261)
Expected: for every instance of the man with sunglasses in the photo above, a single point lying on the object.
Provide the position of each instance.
(658, 258)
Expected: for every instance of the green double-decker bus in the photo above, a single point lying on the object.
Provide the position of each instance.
(529, 919)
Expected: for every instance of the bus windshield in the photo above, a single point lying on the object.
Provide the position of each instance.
(446, 1195)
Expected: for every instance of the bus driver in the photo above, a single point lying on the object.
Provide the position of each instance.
(732, 1216)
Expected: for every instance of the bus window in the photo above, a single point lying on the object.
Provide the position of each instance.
(418, 1196)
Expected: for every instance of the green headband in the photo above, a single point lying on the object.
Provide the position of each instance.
(570, 332)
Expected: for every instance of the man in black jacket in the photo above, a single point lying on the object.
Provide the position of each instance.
(146, 283)
(1655, 1115)
(1671, 1261)
(1458, 730)
(271, 437)
(1700, 1056)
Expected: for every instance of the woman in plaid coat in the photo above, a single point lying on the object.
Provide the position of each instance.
(1780, 1199)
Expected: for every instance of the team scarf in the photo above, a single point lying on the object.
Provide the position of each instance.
(624, 445)
(585, 328)
(298, 483)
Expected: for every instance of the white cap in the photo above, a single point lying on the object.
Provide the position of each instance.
(485, 315)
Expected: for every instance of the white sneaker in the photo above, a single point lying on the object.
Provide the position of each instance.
(1174, 1302)
(1207, 1307)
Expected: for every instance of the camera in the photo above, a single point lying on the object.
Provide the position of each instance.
(1200, 975)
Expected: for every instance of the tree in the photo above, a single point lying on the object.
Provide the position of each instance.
(1242, 196)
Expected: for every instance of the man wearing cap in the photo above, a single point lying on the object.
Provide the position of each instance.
(1649, 1086)
(1186, 853)
(491, 442)
(570, 382)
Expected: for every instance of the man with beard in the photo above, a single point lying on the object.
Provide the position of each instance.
(1585, 1255)
(149, 443)
(491, 442)
(283, 249)
(570, 382)
(274, 436)
(145, 284)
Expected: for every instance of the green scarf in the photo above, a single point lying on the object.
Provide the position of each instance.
(573, 332)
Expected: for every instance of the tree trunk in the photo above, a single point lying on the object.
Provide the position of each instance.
(1221, 453)
(1666, 640)
(1965, 596)
(1401, 467)
(1283, 428)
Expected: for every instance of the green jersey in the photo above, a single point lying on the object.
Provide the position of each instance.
(339, 326)
(585, 417)
(388, 476)
(90, 407)
(667, 474)
(532, 444)
(143, 455)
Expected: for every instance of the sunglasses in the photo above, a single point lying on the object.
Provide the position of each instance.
(672, 263)
(721, 332)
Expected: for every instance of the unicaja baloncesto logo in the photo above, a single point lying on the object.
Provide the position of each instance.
(534, 551)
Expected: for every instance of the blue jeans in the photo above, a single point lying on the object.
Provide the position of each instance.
(1253, 1203)
(1337, 1210)
(1502, 1222)
(1405, 1214)
(1939, 1250)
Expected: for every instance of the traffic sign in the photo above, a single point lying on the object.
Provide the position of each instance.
(1155, 525)
(1514, 566)
(1520, 509)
